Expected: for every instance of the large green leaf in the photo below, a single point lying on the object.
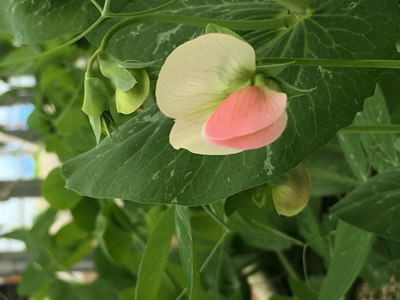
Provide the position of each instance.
(352, 246)
(379, 148)
(187, 252)
(143, 167)
(153, 41)
(36, 21)
(374, 206)
(155, 257)
(56, 194)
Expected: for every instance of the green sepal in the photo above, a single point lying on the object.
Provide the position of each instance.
(129, 101)
(120, 76)
(105, 124)
(212, 28)
(96, 98)
(134, 64)
(272, 69)
(109, 120)
(259, 196)
(96, 127)
(288, 89)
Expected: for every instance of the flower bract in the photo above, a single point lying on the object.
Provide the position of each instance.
(209, 86)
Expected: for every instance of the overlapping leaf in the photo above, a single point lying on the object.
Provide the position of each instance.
(143, 167)
(36, 21)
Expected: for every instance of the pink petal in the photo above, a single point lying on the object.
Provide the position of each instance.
(256, 139)
(244, 112)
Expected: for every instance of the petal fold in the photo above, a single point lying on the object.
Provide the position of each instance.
(251, 111)
(256, 139)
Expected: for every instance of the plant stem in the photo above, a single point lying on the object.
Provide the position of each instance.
(372, 129)
(91, 62)
(99, 8)
(205, 263)
(286, 264)
(214, 250)
(215, 217)
(340, 63)
(106, 8)
(194, 21)
(133, 14)
(295, 6)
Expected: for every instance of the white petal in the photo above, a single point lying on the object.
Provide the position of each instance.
(201, 73)
(187, 135)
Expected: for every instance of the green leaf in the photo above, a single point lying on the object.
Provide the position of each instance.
(374, 206)
(152, 41)
(98, 289)
(187, 252)
(329, 176)
(352, 246)
(310, 229)
(379, 148)
(127, 294)
(129, 101)
(280, 297)
(110, 237)
(355, 155)
(334, 30)
(54, 191)
(38, 21)
(121, 77)
(33, 278)
(69, 234)
(300, 290)
(155, 257)
(85, 213)
(96, 98)
(118, 276)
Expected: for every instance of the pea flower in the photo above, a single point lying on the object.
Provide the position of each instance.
(220, 105)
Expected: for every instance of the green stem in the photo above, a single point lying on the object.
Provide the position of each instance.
(99, 8)
(91, 62)
(106, 8)
(295, 6)
(215, 217)
(340, 63)
(208, 259)
(3, 297)
(133, 14)
(214, 250)
(286, 264)
(372, 129)
(202, 22)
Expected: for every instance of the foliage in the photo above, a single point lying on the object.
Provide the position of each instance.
(338, 59)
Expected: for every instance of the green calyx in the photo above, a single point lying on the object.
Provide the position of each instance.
(96, 98)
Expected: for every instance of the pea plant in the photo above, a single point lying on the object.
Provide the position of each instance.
(213, 149)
